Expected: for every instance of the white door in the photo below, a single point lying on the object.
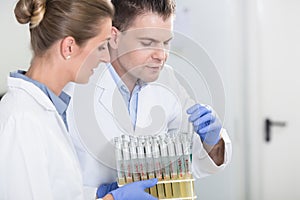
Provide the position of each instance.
(277, 54)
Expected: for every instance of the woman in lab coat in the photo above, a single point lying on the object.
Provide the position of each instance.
(69, 38)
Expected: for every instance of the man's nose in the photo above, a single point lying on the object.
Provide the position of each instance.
(159, 53)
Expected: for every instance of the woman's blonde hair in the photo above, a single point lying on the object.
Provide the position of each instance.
(52, 20)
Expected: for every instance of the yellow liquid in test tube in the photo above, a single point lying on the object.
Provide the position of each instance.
(121, 181)
(168, 188)
(129, 179)
(175, 187)
(189, 186)
(160, 187)
(153, 190)
(144, 177)
(183, 186)
(160, 190)
(181, 176)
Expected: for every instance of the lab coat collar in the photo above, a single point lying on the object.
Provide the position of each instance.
(60, 102)
(33, 91)
(112, 100)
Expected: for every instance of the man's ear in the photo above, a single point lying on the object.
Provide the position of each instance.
(113, 42)
(67, 47)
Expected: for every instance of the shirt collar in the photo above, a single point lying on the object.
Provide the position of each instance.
(119, 82)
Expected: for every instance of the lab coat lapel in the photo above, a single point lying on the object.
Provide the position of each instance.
(111, 99)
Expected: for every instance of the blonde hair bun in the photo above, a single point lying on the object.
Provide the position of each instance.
(30, 11)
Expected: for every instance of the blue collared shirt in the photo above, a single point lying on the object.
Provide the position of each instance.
(131, 100)
(60, 102)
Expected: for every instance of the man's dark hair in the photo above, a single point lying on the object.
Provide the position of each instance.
(126, 11)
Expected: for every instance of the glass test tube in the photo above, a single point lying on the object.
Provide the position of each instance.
(150, 167)
(119, 163)
(165, 168)
(134, 161)
(158, 169)
(173, 168)
(180, 166)
(125, 139)
(142, 163)
(187, 157)
(191, 138)
(187, 167)
(127, 162)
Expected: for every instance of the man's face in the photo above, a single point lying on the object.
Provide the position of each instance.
(143, 48)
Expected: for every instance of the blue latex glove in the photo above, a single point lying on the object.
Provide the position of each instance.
(206, 123)
(104, 189)
(135, 191)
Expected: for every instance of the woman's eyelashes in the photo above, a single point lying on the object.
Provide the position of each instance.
(102, 47)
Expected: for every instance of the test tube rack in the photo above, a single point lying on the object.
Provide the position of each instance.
(180, 189)
(168, 159)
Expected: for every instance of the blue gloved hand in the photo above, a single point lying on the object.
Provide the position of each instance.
(104, 189)
(135, 191)
(206, 123)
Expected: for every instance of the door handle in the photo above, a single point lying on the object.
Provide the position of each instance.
(268, 124)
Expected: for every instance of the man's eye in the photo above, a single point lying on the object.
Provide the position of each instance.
(166, 43)
(147, 44)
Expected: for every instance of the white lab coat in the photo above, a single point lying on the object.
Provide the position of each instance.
(37, 157)
(161, 108)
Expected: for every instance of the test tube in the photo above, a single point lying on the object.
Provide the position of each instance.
(141, 141)
(127, 162)
(180, 166)
(142, 162)
(191, 138)
(119, 161)
(158, 169)
(173, 168)
(150, 166)
(187, 166)
(187, 157)
(133, 139)
(125, 139)
(165, 168)
(134, 162)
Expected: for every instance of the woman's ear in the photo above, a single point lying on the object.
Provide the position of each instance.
(113, 42)
(67, 47)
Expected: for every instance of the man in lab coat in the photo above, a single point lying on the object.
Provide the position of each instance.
(137, 94)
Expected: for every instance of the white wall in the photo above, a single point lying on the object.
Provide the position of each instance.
(15, 43)
(217, 26)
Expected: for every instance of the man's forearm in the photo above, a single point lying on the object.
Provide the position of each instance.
(216, 152)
